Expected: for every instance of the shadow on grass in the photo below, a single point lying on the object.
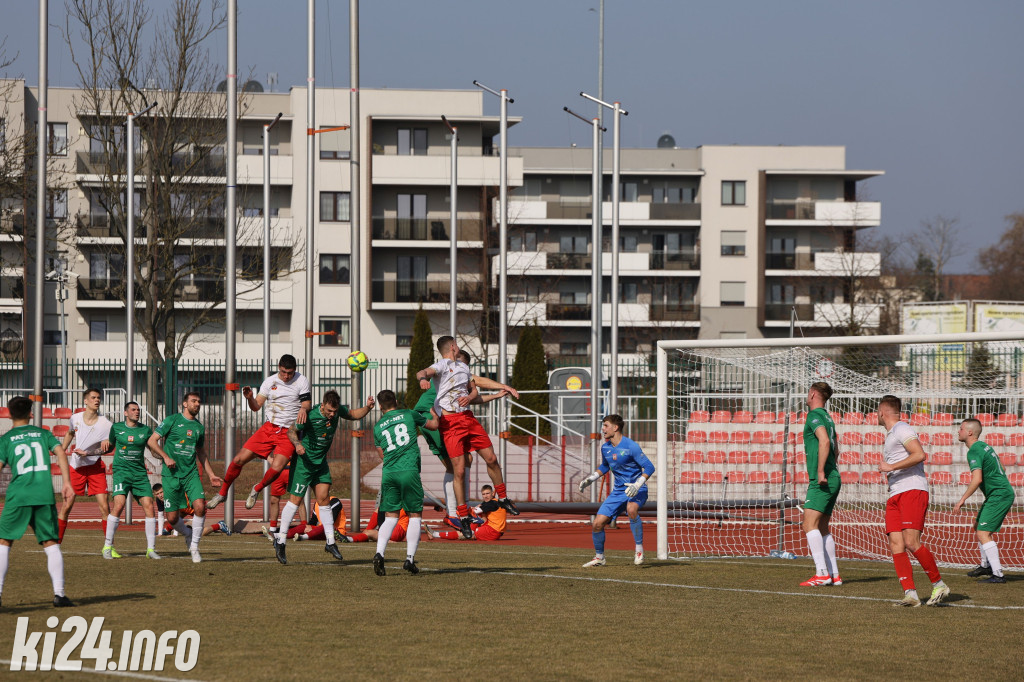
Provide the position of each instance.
(869, 579)
(84, 601)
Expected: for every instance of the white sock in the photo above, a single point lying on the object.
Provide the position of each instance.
(984, 558)
(384, 533)
(150, 533)
(327, 519)
(992, 552)
(830, 556)
(197, 529)
(817, 547)
(5, 553)
(287, 514)
(412, 537)
(112, 522)
(160, 521)
(449, 494)
(55, 565)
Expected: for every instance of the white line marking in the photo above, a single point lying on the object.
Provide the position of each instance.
(115, 673)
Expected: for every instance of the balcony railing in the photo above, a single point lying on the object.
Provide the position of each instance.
(778, 260)
(12, 223)
(424, 291)
(211, 227)
(557, 210)
(100, 289)
(12, 287)
(675, 312)
(675, 211)
(789, 210)
(426, 229)
(781, 311)
(105, 163)
(568, 311)
(200, 290)
(442, 150)
(686, 259)
(569, 261)
(110, 289)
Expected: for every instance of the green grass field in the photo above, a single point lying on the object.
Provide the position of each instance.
(515, 612)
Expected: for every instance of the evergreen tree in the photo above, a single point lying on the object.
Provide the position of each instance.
(530, 373)
(421, 355)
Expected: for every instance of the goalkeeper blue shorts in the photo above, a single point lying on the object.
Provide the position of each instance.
(615, 504)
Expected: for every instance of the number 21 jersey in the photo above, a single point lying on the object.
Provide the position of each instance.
(26, 450)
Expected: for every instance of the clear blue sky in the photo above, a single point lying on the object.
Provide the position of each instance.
(928, 90)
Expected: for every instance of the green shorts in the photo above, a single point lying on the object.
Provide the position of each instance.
(992, 512)
(181, 492)
(129, 479)
(401, 490)
(435, 443)
(42, 517)
(307, 474)
(822, 498)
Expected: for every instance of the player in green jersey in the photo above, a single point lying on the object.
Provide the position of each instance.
(821, 447)
(29, 502)
(129, 439)
(184, 438)
(312, 439)
(988, 474)
(400, 484)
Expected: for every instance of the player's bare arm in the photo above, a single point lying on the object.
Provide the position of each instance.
(473, 395)
(304, 407)
(360, 412)
(154, 445)
(821, 433)
(66, 441)
(426, 374)
(214, 478)
(481, 399)
(293, 438)
(67, 493)
(255, 401)
(380, 453)
(915, 456)
(492, 385)
(971, 489)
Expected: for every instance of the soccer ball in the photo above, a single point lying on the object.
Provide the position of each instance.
(357, 361)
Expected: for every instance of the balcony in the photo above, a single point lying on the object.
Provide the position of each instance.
(434, 169)
(525, 210)
(675, 211)
(837, 213)
(675, 312)
(788, 260)
(425, 291)
(110, 289)
(100, 289)
(848, 264)
(426, 229)
(104, 163)
(686, 259)
(568, 311)
(569, 261)
(200, 290)
(12, 223)
(12, 288)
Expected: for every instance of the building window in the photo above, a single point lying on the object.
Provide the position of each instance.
(569, 244)
(412, 141)
(734, 243)
(334, 268)
(57, 139)
(340, 327)
(628, 292)
(524, 241)
(629, 192)
(334, 207)
(734, 192)
(334, 144)
(574, 348)
(732, 293)
(57, 204)
(51, 331)
(97, 330)
(403, 331)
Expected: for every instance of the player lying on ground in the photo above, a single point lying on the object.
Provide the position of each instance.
(311, 440)
(822, 449)
(400, 484)
(988, 474)
(627, 462)
(371, 532)
(129, 438)
(460, 430)
(29, 500)
(492, 513)
(907, 507)
(90, 431)
(186, 513)
(314, 530)
(184, 437)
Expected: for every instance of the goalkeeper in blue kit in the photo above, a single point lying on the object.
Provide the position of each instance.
(624, 458)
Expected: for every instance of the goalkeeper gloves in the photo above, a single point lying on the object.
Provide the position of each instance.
(633, 488)
(589, 479)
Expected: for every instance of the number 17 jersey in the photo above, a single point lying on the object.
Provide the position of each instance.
(395, 435)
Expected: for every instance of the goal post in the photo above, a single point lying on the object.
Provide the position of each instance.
(731, 468)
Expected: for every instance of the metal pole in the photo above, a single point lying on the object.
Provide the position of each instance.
(229, 257)
(600, 60)
(595, 306)
(356, 258)
(662, 454)
(129, 297)
(41, 142)
(453, 243)
(267, 367)
(62, 295)
(613, 331)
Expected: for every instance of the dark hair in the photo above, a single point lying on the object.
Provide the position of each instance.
(487, 487)
(287, 361)
(463, 354)
(157, 487)
(444, 343)
(331, 399)
(130, 403)
(891, 401)
(975, 425)
(615, 420)
(86, 392)
(822, 389)
(189, 394)
(20, 407)
(386, 399)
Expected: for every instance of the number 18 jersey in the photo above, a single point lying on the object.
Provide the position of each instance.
(395, 434)
(26, 450)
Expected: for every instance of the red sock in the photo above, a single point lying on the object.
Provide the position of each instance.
(62, 526)
(267, 479)
(927, 561)
(904, 571)
(104, 522)
(360, 537)
(168, 526)
(229, 476)
(449, 535)
(463, 511)
(499, 491)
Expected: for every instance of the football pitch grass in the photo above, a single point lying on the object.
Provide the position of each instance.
(515, 612)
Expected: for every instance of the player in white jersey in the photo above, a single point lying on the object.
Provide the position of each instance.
(91, 432)
(905, 512)
(460, 430)
(289, 398)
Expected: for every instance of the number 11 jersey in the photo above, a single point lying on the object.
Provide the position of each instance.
(395, 434)
(26, 450)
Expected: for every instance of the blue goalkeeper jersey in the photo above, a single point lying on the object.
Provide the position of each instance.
(626, 461)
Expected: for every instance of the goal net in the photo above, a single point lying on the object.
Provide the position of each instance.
(732, 472)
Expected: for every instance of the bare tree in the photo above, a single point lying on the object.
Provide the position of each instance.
(937, 242)
(1003, 262)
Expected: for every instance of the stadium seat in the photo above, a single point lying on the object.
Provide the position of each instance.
(942, 419)
(696, 437)
(849, 457)
(965, 477)
(874, 438)
(79, 409)
(738, 457)
(940, 459)
(55, 469)
(718, 437)
(871, 418)
(873, 457)
(942, 439)
(802, 478)
(721, 417)
(905, 416)
(849, 477)
(700, 417)
(764, 418)
(851, 438)
(1008, 459)
(1016, 479)
(924, 438)
(736, 477)
(46, 427)
(739, 437)
(693, 457)
(853, 419)
(780, 437)
(986, 418)
(919, 420)
(712, 477)
(63, 413)
(715, 457)
(794, 417)
(689, 477)
(1015, 440)
(836, 417)
(996, 440)
(776, 477)
(1006, 420)
(47, 413)
(758, 477)
(940, 478)
(5, 413)
(872, 477)
(742, 417)
(763, 437)
(60, 430)
(760, 457)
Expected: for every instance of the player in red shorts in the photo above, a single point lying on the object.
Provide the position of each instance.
(903, 464)
(459, 429)
(289, 399)
(91, 432)
(370, 532)
(494, 520)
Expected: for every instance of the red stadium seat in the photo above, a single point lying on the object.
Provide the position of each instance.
(849, 457)
(738, 457)
(965, 478)
(1016, 479)
(871, 418)
(46, 427)
(689, 477)
(777, 457)
(739, 437)
(874, 438)
(919, 420)
(874, 457)
(924, 438)
(712, 477)
(79, 409)
(942, 439)
(996, 440)
(721, 417)
(802, 478)
(47, 413)
(700, 417)
(55, 469)
(776, 477)
(794, 417)
(942, 419)
(851, 438)
(693, 457)
(765, 418)
(853, 419)
(849, 477)
(798, 457)
(763, 437)
(742, 417)
(1015, 440)
(63, 413)
(986, 418)
(941, 459)
(715, 457)
(61, 430)
(872, 477)
(696, 437)
(1006, 420)
(718, 437)
(780, 437)
(1008, 459)
(758, 477)
(940, 478)
(760, 457)
(5, 413)
(736, 476)
(836, 417)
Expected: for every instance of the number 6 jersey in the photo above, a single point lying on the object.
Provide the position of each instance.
(395, 435)
(26, 450)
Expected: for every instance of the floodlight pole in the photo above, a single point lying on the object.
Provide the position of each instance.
(355, 262)
(613, 378)
(129, 308)
(595, 297)
(230, 384)
(267, 361)
(453, 243)
(42, 138)
(502, 263)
